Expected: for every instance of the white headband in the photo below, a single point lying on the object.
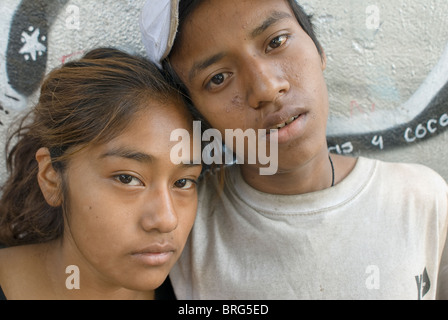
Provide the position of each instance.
(159, 21)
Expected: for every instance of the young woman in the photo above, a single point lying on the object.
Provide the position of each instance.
(93, 207)
(323, 226)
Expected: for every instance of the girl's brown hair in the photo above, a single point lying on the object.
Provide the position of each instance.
(84, 102)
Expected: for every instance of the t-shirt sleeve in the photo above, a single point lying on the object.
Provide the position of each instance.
(442, 286)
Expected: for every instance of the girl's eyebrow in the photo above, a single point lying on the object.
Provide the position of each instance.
(127, 154)
(140, 157)
(275, 17)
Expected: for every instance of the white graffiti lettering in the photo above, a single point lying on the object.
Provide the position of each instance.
(431, 129)
(423, 129)
(378, 142)
(346, 148)
(444, 120)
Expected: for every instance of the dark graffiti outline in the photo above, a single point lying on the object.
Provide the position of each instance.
(26, 68)
(26, 54)
(433, 120)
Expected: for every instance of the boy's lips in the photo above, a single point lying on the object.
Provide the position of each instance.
(282, 118)
(288, 124)
(284, 124)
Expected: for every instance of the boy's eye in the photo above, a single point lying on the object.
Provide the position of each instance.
(184, 184)
(277, 42)
(217, 80)
(128, 180)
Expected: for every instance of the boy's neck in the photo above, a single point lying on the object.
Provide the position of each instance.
(312, 176)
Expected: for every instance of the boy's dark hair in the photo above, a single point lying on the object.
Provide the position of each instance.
(186, 8)
(305, 22)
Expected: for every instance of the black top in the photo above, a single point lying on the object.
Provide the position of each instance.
(164, 292)
(2, 295)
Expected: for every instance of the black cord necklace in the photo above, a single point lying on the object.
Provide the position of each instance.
(332, 171)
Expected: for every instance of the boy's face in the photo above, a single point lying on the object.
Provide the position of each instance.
(249, 65)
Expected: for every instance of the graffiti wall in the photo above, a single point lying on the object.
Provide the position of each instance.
(387, 69)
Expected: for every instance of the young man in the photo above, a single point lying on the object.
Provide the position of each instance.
(323, 226)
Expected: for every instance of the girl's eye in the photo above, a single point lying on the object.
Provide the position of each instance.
(277, 42)
(128, 180)
(184, 184)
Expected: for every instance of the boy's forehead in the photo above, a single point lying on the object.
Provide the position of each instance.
(216, 27)
(246, 13)
(213, 20)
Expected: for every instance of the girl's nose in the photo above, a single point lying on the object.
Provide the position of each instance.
(160, 213)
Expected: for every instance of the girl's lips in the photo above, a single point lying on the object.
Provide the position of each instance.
(154, 258)
(154, 255)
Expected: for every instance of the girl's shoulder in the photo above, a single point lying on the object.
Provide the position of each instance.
(7, 257)
(10, 255)
(12, 259)
(16, 265)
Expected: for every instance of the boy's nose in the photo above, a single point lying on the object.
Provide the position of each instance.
(265, 82)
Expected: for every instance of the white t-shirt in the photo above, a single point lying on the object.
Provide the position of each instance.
(379, 234)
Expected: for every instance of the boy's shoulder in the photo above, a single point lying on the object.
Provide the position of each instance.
(414, 185)
(415, 175)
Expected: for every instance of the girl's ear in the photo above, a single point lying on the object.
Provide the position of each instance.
(50, 181)
(324, 60)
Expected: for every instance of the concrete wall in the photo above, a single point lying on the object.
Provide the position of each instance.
(387, 66)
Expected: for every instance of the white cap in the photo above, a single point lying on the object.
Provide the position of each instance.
(159, 21)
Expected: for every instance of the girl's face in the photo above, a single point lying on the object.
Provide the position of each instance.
(130, 209)
(249, 64)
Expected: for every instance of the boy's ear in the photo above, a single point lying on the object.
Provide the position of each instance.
(50, 181)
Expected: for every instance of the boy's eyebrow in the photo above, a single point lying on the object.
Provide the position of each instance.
(203, 64)
(275, 17)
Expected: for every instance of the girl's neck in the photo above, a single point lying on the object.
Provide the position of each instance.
(69, 278)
